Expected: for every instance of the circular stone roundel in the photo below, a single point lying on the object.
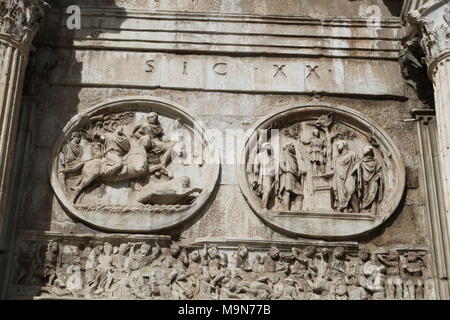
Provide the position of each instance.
(139, 164)
(321, 171)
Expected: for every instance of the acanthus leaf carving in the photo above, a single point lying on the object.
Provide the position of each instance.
(432, 30)
(21, 19)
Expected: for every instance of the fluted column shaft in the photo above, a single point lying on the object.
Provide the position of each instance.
(19, 22)
(435, 29)
(429, 25)
(12, 69)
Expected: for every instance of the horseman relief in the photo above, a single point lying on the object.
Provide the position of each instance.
(321, 171)
(140, 166)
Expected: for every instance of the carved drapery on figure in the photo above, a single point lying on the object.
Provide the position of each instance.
(129, 270)
(145, 168)
(314, 174)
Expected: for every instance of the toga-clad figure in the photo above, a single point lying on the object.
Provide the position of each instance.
(370, 181)
(291, 178)
(345, 166)
(264, 171)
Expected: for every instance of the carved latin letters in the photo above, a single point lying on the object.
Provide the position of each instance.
(220, 68)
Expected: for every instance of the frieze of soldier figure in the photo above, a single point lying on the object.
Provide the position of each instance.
(127, 270)
(321, 171)
(133, 165)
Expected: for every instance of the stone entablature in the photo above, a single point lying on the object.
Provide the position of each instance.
(216, 52)
(228, 73)
(120, 29)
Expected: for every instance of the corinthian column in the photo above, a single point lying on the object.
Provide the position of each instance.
(429, 26)
(19, 22)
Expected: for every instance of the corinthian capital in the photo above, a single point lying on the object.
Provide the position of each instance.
(20, 19)
(432, 28)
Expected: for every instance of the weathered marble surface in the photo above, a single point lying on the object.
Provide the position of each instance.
(134, 165)
(223, 111)
(429, 33)
(231, 74)
(321, 171)
(145, 270)
(329, 57)
(309, 8)
(19, 22)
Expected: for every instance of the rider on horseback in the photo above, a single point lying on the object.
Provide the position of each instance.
(116, 145)
(152, 127)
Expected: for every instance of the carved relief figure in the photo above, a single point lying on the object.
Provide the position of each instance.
(355, 278)
(140, 258)
(375, 275)
(176, 191)
(264, 170)
(317, 152)
(175, 258)
(113, 162)
(370, 181)
(71, 154)
(323, 278)
(104, 277)
(91, 279)
(394, 283)
(345, 176)
(303, 270)
(413, 268)
(116, 165)
(242, 259)
(356, 274)
(214, 263)
(159, 147)
(176, 272)
(338, 290)
(318, 161)
(338, 286)
(50, 262)
(290, 188)
(115, 145)
(272, 261)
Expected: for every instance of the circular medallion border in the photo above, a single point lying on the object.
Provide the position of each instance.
(140, 223)
(317, 225)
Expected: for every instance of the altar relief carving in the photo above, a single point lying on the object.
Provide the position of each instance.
(143, 164)
(321, 164)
